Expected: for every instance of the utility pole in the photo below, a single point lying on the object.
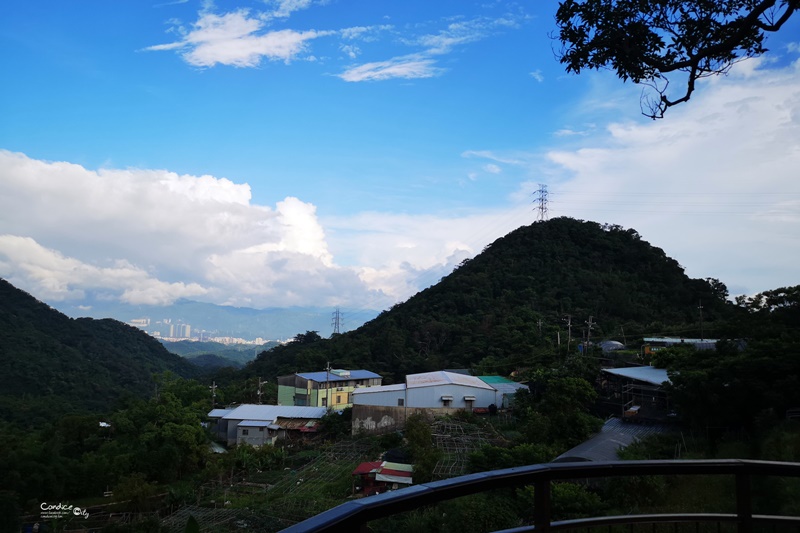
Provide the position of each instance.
(568, 320)
(541, 200)
(589, 325)
(700, 307)
(213, 388)
(260, 383)
(540, 327)
(336, 321)
(624, 340)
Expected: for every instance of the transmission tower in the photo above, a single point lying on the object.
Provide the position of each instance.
(337, 321)
(541, 200)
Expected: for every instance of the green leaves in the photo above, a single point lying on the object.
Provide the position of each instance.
(646, 40)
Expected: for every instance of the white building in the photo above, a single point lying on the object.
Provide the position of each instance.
(430, 390)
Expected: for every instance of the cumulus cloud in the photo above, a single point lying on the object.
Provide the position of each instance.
(401, 254)
(237, 39)
(151, 236)
(145, 236)
(715, 182)
(54, 277)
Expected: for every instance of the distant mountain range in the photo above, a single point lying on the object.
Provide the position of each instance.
(224, 321)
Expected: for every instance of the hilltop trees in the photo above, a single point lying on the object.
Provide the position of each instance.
(647, 41)
(504, 310)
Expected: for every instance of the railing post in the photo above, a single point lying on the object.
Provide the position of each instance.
(541, 504)
(744, 503)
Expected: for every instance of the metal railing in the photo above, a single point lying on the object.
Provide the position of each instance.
(356, 514)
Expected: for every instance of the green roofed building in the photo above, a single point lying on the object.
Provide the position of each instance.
(506, 389)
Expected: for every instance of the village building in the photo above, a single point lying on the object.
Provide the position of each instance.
(329, 388)
(653, 344)
(378, 409)
(506, 389)
(381, 476)
(258, 425)
(639, 392)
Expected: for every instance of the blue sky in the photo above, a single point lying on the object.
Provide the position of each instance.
(352, 152)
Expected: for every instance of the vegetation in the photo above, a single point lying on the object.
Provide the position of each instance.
(524, 302)
(647, 41)
(508, 310)
(54, 365)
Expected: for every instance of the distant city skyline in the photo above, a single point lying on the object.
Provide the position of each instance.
(306, 153)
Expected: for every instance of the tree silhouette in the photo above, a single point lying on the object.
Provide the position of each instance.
(648, 41)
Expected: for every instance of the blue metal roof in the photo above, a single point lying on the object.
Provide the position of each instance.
(322, 377)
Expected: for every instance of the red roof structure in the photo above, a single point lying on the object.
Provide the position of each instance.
(375, 477)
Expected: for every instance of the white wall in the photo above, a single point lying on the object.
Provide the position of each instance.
(432, 396)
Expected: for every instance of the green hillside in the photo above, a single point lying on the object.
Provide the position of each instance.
(510, 304)
(54, 365)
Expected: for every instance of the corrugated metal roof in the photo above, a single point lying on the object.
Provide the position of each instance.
(218, 413)
(272, 412)
(394, 477)
(509, 388)
(613, 436)
(254, 423)
(382, 388)
(429, 379)
(491, 380)
(679, 340)
(648, 374)
(322, 377)
(297, 423)
(366, 468)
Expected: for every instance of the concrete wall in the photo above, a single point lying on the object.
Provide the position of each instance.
(375, 419)
(256, 436)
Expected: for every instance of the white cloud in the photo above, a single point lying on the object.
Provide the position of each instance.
(422, 64)
(54, 277)
(537, 75)
(350, 50)
(407, 67)
(236, 39)
(714, 183)
(491, 168)
(287, 7)
(151, 236)
(492, 156)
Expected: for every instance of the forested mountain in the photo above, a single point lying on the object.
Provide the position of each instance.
(53, 364)
(514, 302)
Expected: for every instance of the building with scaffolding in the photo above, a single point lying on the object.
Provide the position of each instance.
(639, 391)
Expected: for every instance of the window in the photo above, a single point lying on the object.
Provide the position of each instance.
(324, 402)
(245, 432)
(400, 402)
(338, 398)
(261, 430)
